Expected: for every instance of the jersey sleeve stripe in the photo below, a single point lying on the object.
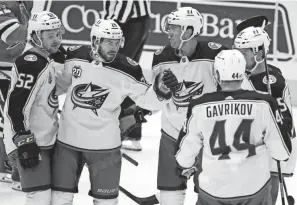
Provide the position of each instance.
(6, 23)
(278, 130)
(9, 30)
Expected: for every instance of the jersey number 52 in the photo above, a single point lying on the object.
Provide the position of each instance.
(25, 81)
(242, 132)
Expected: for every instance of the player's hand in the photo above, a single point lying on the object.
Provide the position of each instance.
(127, 124)
(140, 113)
(189, 172)
(25, 17)
(160, 88)
(28, 150)
(171, 81)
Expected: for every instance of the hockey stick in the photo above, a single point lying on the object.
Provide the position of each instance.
(280, 175)
(151, 200)
(290, 199)
(133, 161)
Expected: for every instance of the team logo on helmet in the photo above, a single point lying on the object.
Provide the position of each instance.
(214, 45)
(272, 79)
(30, 57)
(53, 100)
(89, 96)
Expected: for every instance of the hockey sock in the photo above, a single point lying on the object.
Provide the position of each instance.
(172, 197)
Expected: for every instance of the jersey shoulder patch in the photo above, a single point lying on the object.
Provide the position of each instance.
(209, 50)
(73, 48)
(160, 50)
(126, 65)
(214, 45)
(165, 54)
(30, 57)
(30, 62)
(272, 79)
(132, 62)
(79, 52)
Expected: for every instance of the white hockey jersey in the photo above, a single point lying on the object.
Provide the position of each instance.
(280, 91)
(239, 132)
(89, 119)
(195, 74)
(32, 103)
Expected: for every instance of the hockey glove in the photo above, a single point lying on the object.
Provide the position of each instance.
(171, 81)
(189, 172)
(160, 88)
(140, 113)
(28, 150)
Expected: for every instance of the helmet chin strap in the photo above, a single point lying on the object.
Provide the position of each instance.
(183, 41)
(256, 64)
(41, 44)
(98, 56)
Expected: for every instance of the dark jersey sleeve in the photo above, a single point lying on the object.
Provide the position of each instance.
(28, 70)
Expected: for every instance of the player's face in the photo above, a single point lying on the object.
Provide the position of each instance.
(249, 57)
(108, 48)
(174, 33)
(51, 40)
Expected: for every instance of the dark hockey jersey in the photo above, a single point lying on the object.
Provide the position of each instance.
(239, 132)
(280, 91)
(32, 103)
(195, 75)
(89, 119)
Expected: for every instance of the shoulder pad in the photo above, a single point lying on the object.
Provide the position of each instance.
(164, 54)
(126, 65)
(277, 83)
(30, 62)
(79, 52)
(274, 69)
(254, 95)
(209, 50)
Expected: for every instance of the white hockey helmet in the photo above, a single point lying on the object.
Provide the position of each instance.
(184, 17)
(254, 38)
(105, 28)
(229, 65)
(44, 20)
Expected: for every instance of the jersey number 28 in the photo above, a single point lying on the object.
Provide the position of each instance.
(242, 132)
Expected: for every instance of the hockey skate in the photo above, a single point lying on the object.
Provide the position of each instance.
(130, 144)
(5, 177)
(16, 186)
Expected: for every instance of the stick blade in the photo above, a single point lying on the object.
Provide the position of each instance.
(256, 21)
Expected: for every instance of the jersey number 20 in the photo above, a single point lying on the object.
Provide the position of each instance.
(242, 132)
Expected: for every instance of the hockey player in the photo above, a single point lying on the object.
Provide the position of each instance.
(14, 17)
(31, 108)
(181, 71)
(98, 79)
(239, 131)
(251, 42)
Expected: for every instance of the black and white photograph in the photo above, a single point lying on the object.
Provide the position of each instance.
(126, 102)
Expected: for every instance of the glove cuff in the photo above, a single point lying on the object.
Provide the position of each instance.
(23, 138)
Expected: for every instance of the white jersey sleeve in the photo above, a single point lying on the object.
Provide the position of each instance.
(190, 141)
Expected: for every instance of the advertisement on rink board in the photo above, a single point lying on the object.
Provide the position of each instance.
(220, 20)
